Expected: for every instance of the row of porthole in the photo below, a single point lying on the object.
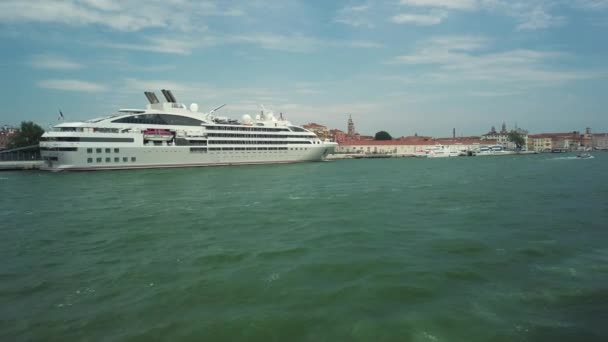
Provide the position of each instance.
(99, 150)
(109, 160)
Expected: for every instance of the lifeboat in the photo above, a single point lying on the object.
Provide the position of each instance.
(158, 135)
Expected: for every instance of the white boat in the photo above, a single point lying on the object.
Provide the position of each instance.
(584, 156)
(440, 151)
(495, 150)
(168, 134)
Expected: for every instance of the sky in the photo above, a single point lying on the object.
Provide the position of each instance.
(404, 66)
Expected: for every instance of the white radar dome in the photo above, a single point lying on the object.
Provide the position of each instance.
(194, 107)
(247, 118)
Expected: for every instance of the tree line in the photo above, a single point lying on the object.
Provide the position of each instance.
(28, 134)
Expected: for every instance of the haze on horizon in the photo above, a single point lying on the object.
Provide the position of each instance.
(405, 66)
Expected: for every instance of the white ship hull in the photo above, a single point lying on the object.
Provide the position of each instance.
(168, 134)
(176, 156)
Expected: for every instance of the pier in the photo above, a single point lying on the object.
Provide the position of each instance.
(23, 158)
(20, 165)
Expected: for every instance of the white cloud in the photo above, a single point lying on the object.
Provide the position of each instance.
(530, 14)
(419, 19)
(590, 4)
(450, 4)
(538, 18)
(443, 50)
(267, 41)
(357, 16)
(486, 93)
(53, 62)
(106, 5)
(71, 85)
(179, 15)
(462, 58)
(158, 44)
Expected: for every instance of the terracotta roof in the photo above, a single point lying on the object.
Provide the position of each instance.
(312, 124)
(417, 142)
(554, 135)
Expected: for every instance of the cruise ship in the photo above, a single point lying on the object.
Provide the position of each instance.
(169, 134)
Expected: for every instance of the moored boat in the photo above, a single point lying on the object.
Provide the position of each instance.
(169, 134)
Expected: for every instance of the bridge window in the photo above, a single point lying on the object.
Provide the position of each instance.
(160, 119)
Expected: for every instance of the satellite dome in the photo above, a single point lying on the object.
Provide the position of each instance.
(194, 107)
(246, 118)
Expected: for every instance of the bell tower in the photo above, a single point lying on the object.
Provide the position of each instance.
(351, 126)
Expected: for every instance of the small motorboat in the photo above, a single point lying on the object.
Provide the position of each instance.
(584, 156)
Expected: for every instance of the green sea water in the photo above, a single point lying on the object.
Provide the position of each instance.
(511, 248)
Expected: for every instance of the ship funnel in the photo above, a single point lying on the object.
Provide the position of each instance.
(147, 93)
(169, 96)
(154, 98)
(151, 97)
(165, 95)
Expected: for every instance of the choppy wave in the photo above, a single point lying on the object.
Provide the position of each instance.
(380, 250)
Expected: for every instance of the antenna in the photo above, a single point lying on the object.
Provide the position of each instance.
(217, 108)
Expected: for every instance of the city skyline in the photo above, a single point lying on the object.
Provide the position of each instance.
(406, 66)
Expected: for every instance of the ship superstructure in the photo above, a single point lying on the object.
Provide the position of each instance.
(170, 134)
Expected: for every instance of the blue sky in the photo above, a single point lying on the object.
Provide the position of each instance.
(406, 66)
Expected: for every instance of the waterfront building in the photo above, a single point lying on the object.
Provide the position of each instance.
(321, 131)
(566, 141)
(337, 135)
(540, 143)
(502, 137)
(351, 134)
(545, 142)
(587, 138)
(600, 141)
(6, 133)
(413, 145)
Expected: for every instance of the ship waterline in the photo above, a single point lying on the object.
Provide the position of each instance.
(171, 156)
(170, 134)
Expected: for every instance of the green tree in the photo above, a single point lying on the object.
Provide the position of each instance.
(517, 138)
(383, 135)
(29, 134)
